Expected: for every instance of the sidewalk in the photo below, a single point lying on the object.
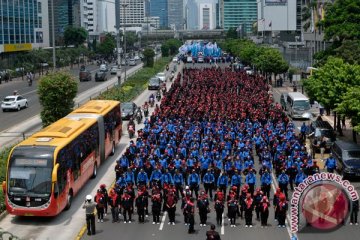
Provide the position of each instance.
(347, 132)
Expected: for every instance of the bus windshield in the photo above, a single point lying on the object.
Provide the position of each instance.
(301, 104)
(30, 171)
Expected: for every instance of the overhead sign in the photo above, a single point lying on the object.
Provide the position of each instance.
(17, 47)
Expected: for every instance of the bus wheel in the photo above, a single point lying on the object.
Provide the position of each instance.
(112, 149)
(68, 201)
(94, 171)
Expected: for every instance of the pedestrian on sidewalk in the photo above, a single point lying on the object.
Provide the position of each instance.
(354, 213)
(90, 216)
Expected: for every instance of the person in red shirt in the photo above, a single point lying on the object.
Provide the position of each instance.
(249, 208)
(171, 201)
(282, 207)
(264, 211)
(100, 204)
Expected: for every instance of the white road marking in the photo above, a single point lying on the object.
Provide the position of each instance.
(222, 225)
(162, 221)
(287, 221)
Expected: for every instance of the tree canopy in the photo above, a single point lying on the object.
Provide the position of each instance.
(56, 94)
(149, 55)
(75, 36)
(107, 46)
(170, 46)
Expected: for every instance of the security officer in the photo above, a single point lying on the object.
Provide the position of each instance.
(209, 181)
(222, 182)
(90, 216)
(194, 182)
(330, 163)
(283, 180)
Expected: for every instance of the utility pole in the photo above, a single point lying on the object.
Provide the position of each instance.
(53, 35)
(125, 5)
(117, 26)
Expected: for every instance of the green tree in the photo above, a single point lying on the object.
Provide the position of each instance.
(231, 33)
(149, 55)
(350, 107)
(131, 39)
(165, 50)
(75, 36)
(107, 47)
(56, 94)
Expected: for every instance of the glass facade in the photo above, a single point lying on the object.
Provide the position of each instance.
(159, 8)
(175, 14)
(240, 12)
(18, 20)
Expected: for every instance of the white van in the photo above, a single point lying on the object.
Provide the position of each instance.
(298, 105)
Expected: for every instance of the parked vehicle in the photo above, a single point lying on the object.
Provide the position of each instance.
(297, 105)
(347, 155)
(318, 130)
(14, 102)
(175, 59)
(132, 62)
(161, 76)
(100, 76)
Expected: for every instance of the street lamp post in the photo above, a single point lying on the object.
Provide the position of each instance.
(118, 46)
(53, 35)
(125, 5)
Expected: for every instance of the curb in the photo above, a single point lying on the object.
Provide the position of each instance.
(3, 214)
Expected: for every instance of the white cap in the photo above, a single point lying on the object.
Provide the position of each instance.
(187, 187)
(88, 197)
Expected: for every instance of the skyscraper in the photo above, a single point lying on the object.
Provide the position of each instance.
(239, 13)
(201, 14)
(159, 8)
(175, 13)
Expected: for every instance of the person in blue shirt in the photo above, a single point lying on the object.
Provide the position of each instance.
(156, 177)
(142, 178)
(121, 183)
(209, 182)
(303, 131)
(129, 177)
(299, 178)
(178, 182)
(194, 182)
(283, 180)
(236, 181)
(250, 180)
(266, 183)
(124, 163)
(166, 178)
(222, 182)
(330, 164)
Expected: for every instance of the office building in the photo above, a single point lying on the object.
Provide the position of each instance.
(132, 13)
(159, 8)
(236, 13)
(176, 14)
(201, 14)
(66, 13)
(23, 25)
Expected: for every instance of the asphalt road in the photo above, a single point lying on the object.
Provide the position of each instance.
(11, 118)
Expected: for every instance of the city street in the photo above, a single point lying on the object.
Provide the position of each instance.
(11, 118)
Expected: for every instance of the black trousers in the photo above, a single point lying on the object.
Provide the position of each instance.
(208, 189)
(100, 212)
(354, 217)
(248, 217)
(171, 212)
(203, 216)
(284, 189)
(281, 218)
(223, 188)
(232, 216)
(266, 189)
(219, 213)
(156, 215)
(141, 214)
(264, 217)
(191, 223)
(115, 213)
(179, 189)
(125, 212)
(194, 188)
(90, 223)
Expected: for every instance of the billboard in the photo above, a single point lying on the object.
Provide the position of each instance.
(275, 2)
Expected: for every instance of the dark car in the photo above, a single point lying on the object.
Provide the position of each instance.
(128, 110)
(154, 83)
(347, 155)
(318, 130)
(283, 100)
(84, 74)
(100, 76)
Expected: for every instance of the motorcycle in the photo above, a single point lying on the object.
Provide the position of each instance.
(138, 117)
(29, 82)
(131, 131)
(151, 102)
(158, 96)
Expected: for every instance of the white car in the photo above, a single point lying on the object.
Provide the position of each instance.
(136, 58)
(175, 59)
(189, 59)
(132, 62)
(103, 68)
(114, 70)
(15, 102)
(162, 76)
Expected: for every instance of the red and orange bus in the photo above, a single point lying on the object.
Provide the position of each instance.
(45, 171)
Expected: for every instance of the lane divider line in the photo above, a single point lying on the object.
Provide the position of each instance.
(222, 225)
(162, 221)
